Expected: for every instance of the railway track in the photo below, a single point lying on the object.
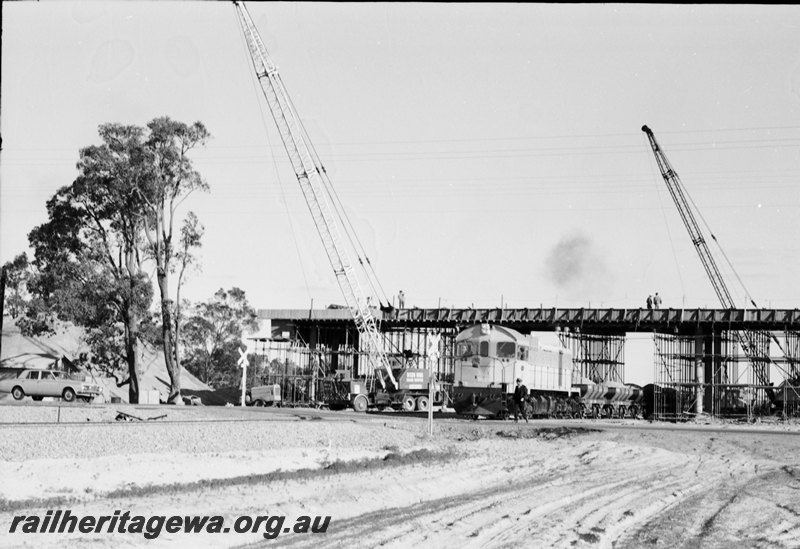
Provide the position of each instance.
(106, 414)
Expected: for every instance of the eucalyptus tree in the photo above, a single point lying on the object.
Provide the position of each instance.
(171, 179)
(88, 254)
(213, 335)
(121, 212)
(16, 272)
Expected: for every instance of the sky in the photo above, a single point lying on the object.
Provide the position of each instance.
(487, 154)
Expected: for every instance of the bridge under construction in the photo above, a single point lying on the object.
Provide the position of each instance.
(698, 362)
(707, 359)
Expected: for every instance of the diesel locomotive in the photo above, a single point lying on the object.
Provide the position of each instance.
(490, 358)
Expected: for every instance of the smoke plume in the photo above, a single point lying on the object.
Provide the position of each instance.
(576, 265)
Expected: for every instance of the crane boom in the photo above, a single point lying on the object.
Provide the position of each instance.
(312, 178)
(751, 341)
(678, 194)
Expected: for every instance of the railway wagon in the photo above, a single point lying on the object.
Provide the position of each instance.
(490, 358)
(609, 399)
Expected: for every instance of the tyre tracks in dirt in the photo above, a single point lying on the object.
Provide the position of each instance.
(620, 488)
(593, 493)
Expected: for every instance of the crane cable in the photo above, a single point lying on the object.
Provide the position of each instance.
(260, 95)
(657, 180)
(349, 230)
(719, 246)
(699, 214)
(326, 189)
(770, 335)
(748, 296)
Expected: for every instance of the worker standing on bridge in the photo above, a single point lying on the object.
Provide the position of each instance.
(650, 301)
(401, 300)
(520, 394)
(657, 301)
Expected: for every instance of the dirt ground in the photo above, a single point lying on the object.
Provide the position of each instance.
(384, 482)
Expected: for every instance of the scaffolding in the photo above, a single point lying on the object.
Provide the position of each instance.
(792, 352)
(431, 349)
(300, 368)
(596, 357)
(710, 374)
(294, 367)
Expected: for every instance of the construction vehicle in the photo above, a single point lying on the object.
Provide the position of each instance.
(334, 228)
(412, 392)
(755, 344)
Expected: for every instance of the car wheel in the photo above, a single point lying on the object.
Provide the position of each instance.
(258, 403)
(360, 403)
(18, 393)
(68, 395)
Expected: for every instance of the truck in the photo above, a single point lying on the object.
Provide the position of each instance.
(409, 393)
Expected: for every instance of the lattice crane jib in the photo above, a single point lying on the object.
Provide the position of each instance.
(311, 176)
(749, 340)
(679, 196)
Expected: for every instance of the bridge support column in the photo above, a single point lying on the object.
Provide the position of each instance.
(699, 372)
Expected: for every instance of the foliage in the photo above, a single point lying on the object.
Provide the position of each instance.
(88, 254)
(171, 179)
(212, 336)
(18, 272)
(88, 257)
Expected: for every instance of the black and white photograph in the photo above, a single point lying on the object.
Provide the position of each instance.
(394, 274)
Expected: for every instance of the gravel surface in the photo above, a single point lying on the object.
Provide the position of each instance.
(54, 411)
(192, 430)
(49, 430)
(477, 483)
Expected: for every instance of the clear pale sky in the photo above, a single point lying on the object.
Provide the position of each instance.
(485, 152)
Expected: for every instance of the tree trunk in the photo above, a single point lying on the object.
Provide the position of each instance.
(132, 352)
(167, 332)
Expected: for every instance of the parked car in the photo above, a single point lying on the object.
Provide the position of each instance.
(49, 383)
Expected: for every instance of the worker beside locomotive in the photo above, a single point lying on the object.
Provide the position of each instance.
(490, 358)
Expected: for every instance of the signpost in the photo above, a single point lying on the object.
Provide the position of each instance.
(242, 362)
(430, 404)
